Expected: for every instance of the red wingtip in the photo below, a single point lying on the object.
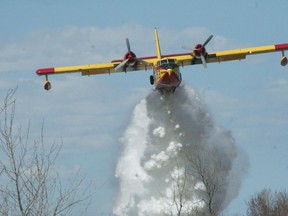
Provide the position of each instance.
(281, 46)
(45, 71)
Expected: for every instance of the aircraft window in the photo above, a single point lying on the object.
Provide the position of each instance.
(169, 66)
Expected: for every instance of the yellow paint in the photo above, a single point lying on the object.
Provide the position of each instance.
(182, 60)
(247, 51)
(158, 50)
(87, 69)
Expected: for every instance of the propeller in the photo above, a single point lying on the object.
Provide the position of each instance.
(128, 45)
(203, 60)
(208, 40)
(199, 50)
(122, 64)
(130, 57)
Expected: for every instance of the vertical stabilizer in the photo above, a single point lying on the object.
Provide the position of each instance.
(158, 50)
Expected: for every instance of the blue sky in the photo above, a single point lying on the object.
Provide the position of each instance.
(91, 114)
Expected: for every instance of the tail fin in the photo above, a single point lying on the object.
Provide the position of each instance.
(158, 50)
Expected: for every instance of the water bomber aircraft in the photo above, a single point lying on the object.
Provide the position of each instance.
(166, 68)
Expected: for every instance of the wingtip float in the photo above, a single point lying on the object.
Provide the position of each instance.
(166, 73)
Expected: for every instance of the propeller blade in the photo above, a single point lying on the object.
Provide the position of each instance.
(128, 45)
(208, 40)
(143, 62)
(203, 61)
(121, 65)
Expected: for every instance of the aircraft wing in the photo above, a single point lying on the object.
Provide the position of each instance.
(183, 59)
(93, 69)
(229, 55)
(132, 63)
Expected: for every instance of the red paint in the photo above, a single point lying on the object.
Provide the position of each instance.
(281, 46)
(155, 57)
(45, 71)
(168, 81)
(142, 58)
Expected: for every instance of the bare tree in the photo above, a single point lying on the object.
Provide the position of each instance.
(29, 182)
(266, 203)
(177, 200)
(183, 199)
(182, 193)
(207, 166)
(198, 183)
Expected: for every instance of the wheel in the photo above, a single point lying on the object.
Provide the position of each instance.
(151, 80)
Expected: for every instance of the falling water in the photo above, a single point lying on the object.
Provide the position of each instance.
(175, 161)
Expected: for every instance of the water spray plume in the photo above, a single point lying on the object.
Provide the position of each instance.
(175, 161)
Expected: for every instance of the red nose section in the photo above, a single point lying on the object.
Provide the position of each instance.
(168, 81)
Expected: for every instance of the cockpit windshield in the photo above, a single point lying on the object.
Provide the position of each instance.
(167, 64)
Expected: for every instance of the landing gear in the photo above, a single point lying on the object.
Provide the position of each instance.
(151, 80)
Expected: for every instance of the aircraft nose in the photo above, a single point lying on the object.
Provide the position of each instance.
(169, 71)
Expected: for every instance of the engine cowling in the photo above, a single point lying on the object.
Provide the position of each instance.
(131, 57)
(199, 50)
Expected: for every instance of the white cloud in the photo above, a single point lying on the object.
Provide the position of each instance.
(83, 45)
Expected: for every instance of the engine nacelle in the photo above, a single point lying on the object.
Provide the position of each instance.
(199, 50)
(132, 59)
